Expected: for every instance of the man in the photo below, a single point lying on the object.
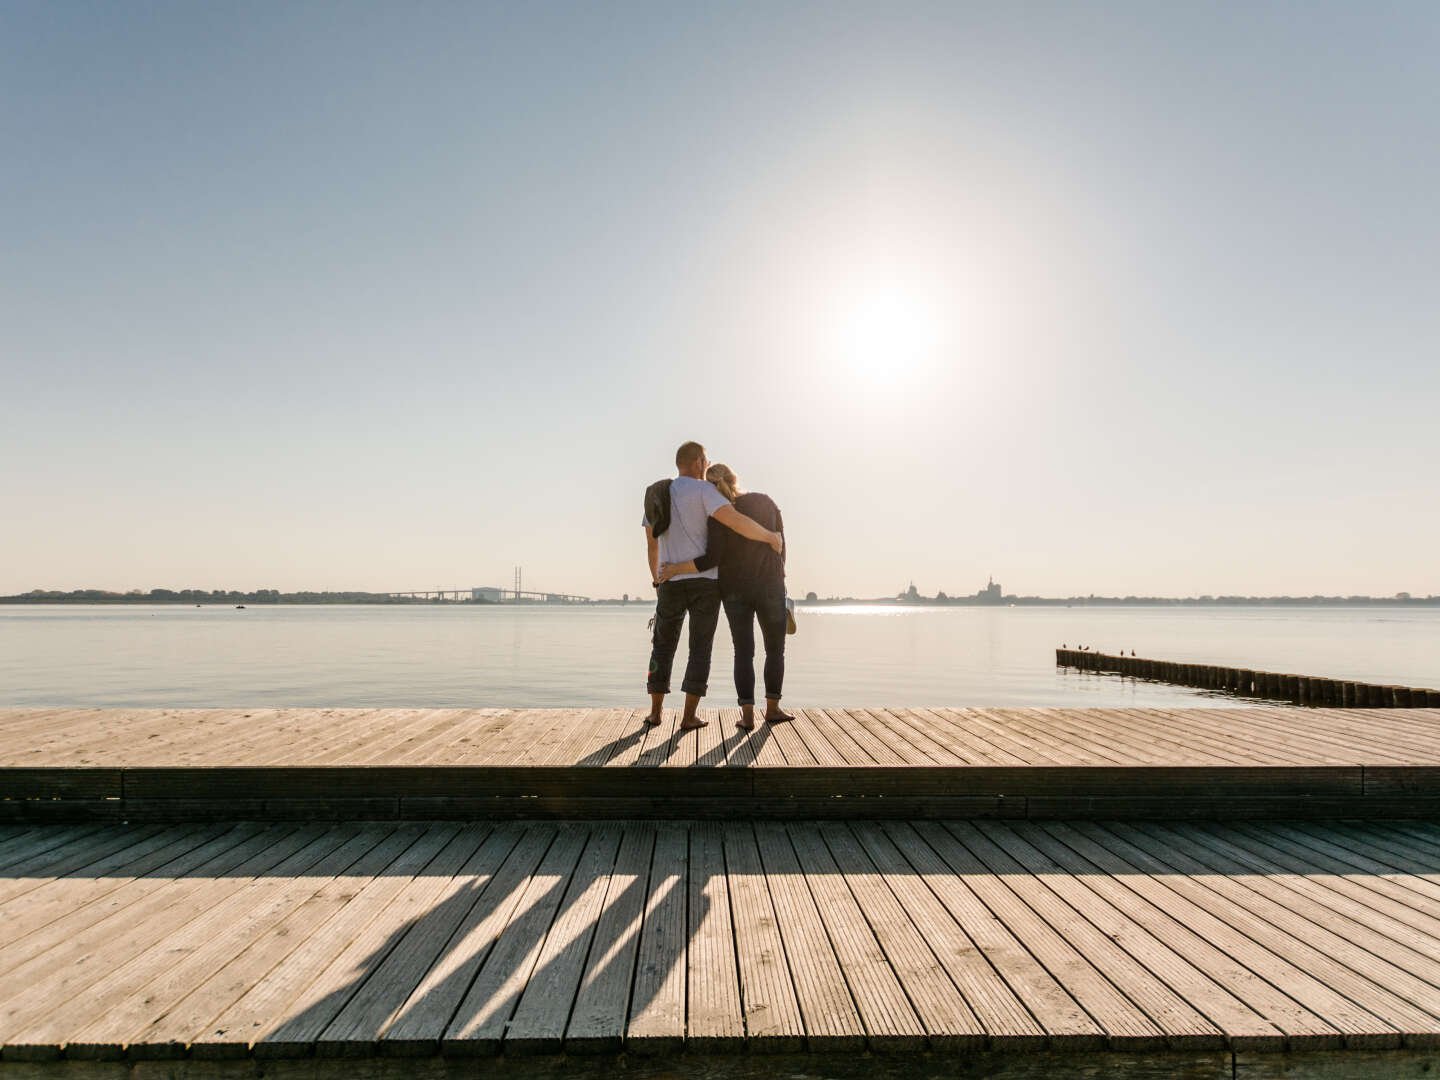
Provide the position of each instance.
(693, 500)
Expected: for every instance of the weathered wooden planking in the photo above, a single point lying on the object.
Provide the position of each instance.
(715, 1021)
(366, 940)
(478, 1025)
(421, 920)
(305, 903)
(948, 1020)
(538, 1026)
(1221, 915)
(602, 1001)
(421, 1020)
(889, 1018)
(772, 1013)
(831, 1019)
(657, 1004)
(130, 1001)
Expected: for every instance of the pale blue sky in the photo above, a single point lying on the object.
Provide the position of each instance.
(1114, 298)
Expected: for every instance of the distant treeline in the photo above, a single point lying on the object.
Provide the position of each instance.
(202, 596)
(1402, 600)
(274, 596)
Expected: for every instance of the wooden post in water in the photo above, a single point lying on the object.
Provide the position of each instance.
(1402, 696)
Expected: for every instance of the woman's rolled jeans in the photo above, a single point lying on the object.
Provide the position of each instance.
(743, 605)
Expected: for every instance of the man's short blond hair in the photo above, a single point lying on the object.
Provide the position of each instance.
(688, 454)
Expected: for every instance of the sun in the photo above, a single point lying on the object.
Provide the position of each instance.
(884, 332)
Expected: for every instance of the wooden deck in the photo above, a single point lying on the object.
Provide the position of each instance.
(445, 764)
(1180, 941)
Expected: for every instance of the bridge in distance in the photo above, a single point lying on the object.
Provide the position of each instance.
(488, 595)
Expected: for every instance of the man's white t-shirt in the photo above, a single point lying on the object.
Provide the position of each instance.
(691, 504)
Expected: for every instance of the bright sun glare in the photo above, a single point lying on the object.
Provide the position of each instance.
(886, 332)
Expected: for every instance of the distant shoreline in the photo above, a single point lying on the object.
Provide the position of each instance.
(312, 599)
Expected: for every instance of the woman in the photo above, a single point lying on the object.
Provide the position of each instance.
(752, 585)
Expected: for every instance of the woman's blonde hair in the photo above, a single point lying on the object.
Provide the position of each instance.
(724, 478)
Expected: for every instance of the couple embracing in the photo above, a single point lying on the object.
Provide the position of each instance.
(708, 545)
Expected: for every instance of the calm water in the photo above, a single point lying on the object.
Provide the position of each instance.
(474, 656)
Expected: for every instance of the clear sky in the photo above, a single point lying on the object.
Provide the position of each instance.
(1114, 298)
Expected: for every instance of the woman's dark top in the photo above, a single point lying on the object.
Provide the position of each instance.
(745, 562)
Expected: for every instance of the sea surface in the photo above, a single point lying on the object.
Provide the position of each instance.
(537, 656)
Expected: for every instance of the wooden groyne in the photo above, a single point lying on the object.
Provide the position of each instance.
(1247, 682)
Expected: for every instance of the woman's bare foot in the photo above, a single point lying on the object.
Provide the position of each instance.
(747, 718)
(653, 719)
(775, 716)
(690, 723)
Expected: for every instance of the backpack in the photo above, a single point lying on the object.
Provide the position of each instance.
(657, 506)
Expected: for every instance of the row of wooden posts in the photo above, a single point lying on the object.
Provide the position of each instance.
(1304, 689)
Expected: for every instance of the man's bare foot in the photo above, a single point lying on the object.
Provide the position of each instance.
(747, 718)
(653, 719)
(777, 717)
(690, 723)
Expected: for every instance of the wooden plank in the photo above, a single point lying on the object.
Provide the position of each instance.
(739, 751)
(890, 1021)
(1005, 727)
(45, 983)
(269, 1016)
(763, 746)
(129, 1001)
(1248, 971)
(479, 1023)
(1123, 1023)
(711, 746)
(580, 733)
(59, 909)
(1405, 1001)
(968, 731)
(74, 782)
(1221, 1015)
(945, 734)
(628, 752)
(422, 1020)
(415, 927)
(41, 849)
(926, 738)
(1396, 932)
(433, 738)
(772, 1014)
(948, 1021)
(320, 893)
(657, 1004)
(871, 733)
(790, 743)
(607, 738)
(715, 1022)
(506, 743)
(602, 1002)
(538, 1026)
(859, 748)
(1002, 1015)
(1378, 875)
(685, 745)
(822, 750)
(1306, 974)
(832, 1022)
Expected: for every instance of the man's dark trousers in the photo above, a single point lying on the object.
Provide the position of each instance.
(700, 597)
